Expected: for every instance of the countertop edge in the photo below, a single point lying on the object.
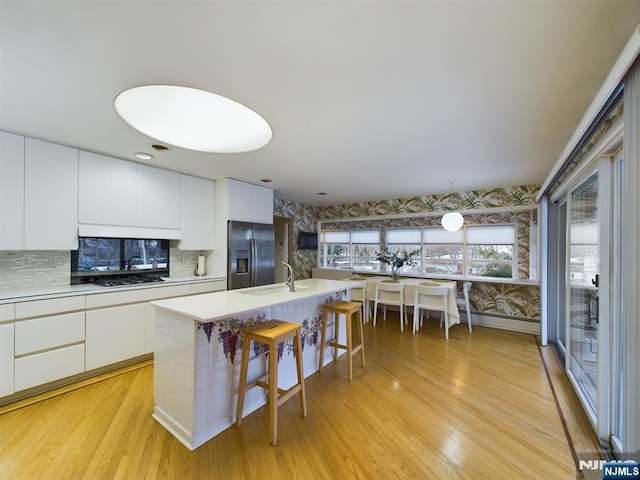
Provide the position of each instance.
(90, 289)
(249, 303)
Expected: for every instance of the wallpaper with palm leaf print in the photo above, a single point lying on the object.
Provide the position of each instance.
(521, 301)
(304, 220)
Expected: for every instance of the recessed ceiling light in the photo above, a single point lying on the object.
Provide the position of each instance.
(193, 119)
(266, 180)
(143, 156)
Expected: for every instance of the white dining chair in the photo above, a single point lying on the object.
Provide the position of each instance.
(359, 294)
(432, 299)
(464, 302)
(389, 294)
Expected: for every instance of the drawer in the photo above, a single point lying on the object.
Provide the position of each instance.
(39, 308)
(48, 332)
(6, 359)
(206, 287)
(7, 312)
(45, 367)
(136, 295)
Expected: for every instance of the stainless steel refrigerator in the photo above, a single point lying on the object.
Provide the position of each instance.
(250, 254)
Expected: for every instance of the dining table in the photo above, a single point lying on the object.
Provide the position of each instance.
(369, 282)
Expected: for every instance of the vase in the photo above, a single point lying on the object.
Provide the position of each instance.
(395, 274)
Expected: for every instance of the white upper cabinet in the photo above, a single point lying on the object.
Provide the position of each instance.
(196, 213)
(262, 204)
(240, 200)
(50, 194)
(11, 191)
(119, 198)
(249, 203)
(50, 197)
(157, 198)
(107, 190)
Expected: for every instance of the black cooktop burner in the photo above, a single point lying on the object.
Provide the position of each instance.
(126, 280)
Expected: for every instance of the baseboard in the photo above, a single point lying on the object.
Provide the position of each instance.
(505, 323)
(524, 325)
(52, 389)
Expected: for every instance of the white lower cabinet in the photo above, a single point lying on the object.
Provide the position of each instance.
(116, 334)
(45, 367)
(6, 359)
(48, 332)
(48, 349)
(44, 341)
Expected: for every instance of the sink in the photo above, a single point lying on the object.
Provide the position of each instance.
(270, 290)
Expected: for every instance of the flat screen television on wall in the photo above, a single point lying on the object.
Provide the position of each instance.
(308, 240)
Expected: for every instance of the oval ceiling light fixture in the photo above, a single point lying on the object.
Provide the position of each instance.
(193, 119)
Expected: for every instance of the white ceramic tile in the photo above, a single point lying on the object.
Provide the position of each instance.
(214, 381)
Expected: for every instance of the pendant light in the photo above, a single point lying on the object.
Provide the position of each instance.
(452, 221)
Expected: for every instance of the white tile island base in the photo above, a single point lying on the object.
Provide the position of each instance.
(197, 352)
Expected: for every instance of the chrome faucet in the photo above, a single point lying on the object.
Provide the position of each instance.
(290, 280)
(129, 261)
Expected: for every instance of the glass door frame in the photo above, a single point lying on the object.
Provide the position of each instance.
(617, 358)
(600, 415)
(561, 255)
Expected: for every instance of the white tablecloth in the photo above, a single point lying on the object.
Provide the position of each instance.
(453, 317)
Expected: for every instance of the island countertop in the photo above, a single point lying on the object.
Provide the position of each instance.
(211, 306)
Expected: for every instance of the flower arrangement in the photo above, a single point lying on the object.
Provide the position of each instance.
(396, 260)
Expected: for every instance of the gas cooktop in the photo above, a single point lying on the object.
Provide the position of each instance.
(121, 280)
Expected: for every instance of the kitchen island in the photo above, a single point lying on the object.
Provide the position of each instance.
(197, 351)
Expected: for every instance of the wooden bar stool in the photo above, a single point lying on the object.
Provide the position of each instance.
(348, 309)
(271, 333)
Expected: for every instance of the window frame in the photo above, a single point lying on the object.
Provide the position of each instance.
(465, 245)
(351, 250)
(407, 247)
(514, 251)
(527, 246)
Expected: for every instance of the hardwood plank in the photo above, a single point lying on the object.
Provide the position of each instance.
(477, 406)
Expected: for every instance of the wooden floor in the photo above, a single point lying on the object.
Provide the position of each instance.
(477, 406)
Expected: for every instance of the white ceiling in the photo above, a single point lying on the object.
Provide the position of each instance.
(367, 99)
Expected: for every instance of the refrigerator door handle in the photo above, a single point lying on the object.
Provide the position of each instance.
(252, 263)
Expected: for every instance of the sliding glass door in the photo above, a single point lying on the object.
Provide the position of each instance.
(583, 280)
(592, 295)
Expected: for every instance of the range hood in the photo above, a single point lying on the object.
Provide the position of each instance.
(119, 231)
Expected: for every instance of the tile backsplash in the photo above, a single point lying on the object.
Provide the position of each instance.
(182, 263)
(26, 269)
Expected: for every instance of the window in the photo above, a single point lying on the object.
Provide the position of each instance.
(350, 249)
(405, 240)
(490, 251)
(113, 255)
(365, 244)
(442, 251)
(474, 250)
